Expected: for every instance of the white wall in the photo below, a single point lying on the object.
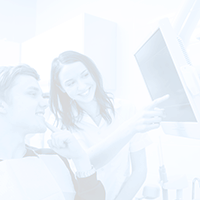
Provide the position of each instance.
(10, 53)
(135, 18)
(81, 34)
(17, 19)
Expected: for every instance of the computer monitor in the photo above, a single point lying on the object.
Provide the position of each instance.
(166, 69)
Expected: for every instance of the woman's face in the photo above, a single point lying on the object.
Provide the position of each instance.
(77, 82)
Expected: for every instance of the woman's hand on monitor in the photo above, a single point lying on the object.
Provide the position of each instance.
(150, 117)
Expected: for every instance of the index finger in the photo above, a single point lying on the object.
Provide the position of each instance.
(157, 101)
(51, 127)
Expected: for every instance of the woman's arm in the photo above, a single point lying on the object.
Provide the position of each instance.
(136, 179)
(145, 120)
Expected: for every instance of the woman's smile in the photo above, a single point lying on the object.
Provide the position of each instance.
(77, 82)
(85, 92)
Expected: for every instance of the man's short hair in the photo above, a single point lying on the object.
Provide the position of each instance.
(8, 75)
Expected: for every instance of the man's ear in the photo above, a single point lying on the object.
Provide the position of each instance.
(3, 107)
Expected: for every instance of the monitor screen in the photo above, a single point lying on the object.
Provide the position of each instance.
(166, 69)
(161, 77)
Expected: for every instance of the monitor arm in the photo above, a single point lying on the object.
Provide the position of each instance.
(187, 20)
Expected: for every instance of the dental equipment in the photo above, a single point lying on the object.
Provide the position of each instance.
(150, 192)
(193, 186)
(162, 171)
(177, 183)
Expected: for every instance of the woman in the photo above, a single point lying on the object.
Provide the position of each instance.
(81, 105)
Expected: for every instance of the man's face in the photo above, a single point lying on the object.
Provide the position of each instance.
(26, 106)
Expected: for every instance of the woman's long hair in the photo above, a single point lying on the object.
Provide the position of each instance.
(62, 105)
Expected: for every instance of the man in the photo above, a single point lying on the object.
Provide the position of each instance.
(28, 173)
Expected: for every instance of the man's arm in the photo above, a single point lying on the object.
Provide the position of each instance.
(90, 188)
(137, 178)
(87, 186)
